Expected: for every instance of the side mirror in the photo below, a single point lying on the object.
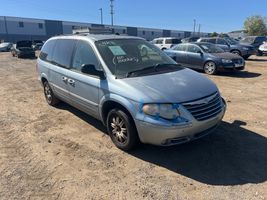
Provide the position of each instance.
(91, 70)
(200, 52)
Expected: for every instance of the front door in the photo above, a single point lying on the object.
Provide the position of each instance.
(84, 89)
(194, 57)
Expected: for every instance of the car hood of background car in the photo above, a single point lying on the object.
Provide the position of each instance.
(226, 55)
(173, 87)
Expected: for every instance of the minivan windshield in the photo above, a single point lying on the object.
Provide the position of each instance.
(126, 57)
(210, 48)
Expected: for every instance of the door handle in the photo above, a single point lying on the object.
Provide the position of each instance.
(64, 78)
(71, 82)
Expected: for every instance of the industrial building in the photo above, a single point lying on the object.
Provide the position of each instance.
(13, 29)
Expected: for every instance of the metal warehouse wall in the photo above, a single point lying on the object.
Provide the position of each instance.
(39, 29)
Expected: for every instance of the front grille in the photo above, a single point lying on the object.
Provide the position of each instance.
(205, 108)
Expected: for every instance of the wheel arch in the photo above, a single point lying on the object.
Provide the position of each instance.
(114, 101)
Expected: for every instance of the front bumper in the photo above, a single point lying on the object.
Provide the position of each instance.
(231, 67)
(26, 53)
(177, 134)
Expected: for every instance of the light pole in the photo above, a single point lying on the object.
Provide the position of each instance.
(194, 27)
(101, 15)
(112, 11)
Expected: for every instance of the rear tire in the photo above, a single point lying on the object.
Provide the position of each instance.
(210, 68)
(51, 99)
(121, 130)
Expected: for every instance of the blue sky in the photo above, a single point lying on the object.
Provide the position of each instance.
(223, 16)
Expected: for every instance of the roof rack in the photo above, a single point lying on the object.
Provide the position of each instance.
(91, 30)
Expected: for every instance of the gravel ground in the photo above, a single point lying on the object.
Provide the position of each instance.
(62, 153)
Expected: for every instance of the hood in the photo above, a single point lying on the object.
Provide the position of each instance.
(226, 55)
(24, 44)
(174, 87)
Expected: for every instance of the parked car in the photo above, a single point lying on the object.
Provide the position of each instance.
(189, 39)
(5, 46)
(255, 41)
(205, 56)
(166, 43)
(23, 49)
(231, 45)
(262, 49)
(139, 95)
(37, 44)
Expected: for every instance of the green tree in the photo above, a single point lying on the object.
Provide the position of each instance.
(214, 34)
(256, 25)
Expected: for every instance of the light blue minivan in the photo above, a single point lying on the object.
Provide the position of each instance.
(137, 91)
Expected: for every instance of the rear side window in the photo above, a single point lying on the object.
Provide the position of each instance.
(63, 52)
(47, 51)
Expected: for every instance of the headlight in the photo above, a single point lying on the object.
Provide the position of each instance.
(226, 61)
(166, 111)
(245, 48)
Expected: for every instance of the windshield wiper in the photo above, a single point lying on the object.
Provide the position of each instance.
(154, 67)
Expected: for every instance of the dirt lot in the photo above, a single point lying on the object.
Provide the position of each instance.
(61, 153)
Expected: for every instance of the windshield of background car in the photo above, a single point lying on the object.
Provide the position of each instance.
(24, 44)
(127, 55)
(248, 40)
(210, 48)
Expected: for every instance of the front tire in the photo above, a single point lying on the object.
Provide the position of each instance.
(236, 52)
(210, 68)
(121, 130)
(51, 99)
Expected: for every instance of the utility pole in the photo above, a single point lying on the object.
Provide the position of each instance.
(101, 15)
(112, 11)
(199, 27)
(194, 27)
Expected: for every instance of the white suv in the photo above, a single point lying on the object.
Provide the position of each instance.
(166, 43)
(262, 49)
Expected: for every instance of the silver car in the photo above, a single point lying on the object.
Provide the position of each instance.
(135, 89)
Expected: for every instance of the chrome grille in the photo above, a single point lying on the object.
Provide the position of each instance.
(205, 108)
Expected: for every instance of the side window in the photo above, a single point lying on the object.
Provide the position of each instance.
(63, 52)
(84, 54)
(221, 41)
(213, 40)
(181, 47)
(159, 41)
(193, 48)
(47, 51)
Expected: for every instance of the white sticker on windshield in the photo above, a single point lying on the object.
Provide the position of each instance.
(117, 51)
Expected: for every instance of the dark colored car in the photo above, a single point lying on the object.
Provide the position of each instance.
(37, 44)
(5, 46)
(205, 56)
(231, 45)
(190, 39)
(23, 49)
(255, 41)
